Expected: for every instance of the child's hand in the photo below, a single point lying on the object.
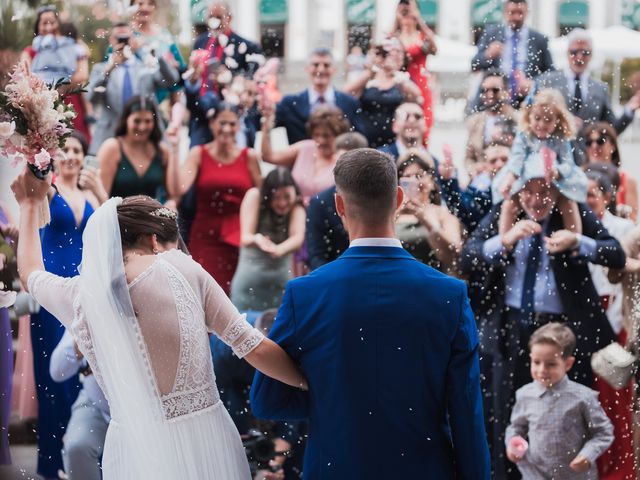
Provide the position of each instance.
(511, 455)
(505, 188)
(580, 464)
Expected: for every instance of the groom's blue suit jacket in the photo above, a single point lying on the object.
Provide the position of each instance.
(390, 349)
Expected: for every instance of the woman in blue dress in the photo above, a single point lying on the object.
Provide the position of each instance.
(77, 192)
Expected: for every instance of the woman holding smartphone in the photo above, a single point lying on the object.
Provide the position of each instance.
(426, 228)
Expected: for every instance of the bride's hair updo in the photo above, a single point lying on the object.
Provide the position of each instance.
(139, 216)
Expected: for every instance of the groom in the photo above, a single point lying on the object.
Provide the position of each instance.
(389, 346)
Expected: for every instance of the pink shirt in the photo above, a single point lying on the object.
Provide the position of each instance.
(309, 180)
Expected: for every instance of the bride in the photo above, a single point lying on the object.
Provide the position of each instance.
(140, 311)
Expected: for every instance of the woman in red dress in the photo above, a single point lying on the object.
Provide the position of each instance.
(222, 173)
(418, 41)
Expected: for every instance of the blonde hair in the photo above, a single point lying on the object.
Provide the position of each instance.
(553, 101)
(556, 334)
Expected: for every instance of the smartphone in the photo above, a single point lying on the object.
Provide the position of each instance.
(410, 187)
(89, 161)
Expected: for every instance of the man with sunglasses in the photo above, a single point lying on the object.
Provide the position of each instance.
(409, 128)
(293, 110)
(587, 98)
(484, 127)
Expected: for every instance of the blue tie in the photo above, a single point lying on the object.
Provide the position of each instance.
(127, 86)
(529, 284)
(513, 81)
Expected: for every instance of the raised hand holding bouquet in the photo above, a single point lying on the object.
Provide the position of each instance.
(34, 123)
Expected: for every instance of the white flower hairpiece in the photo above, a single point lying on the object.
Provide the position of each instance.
(165, 213)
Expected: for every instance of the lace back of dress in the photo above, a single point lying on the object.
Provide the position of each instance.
(174, 339)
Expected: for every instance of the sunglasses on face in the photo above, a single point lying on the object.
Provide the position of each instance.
(494, 90)
(414, 115)
(599, 141)
(584, 53)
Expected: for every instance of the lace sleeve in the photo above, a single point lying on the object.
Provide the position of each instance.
(54, 293)
(241, 336)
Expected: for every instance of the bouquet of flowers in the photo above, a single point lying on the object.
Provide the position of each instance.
(34, 123)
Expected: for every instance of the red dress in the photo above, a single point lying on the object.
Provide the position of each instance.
(416, 68)
(214, 239)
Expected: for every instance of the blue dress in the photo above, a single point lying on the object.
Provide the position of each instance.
(62, 252)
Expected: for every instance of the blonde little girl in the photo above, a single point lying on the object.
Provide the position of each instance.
(545, 132)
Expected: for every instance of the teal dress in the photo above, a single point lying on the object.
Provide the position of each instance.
(259, 281)
(127, 182)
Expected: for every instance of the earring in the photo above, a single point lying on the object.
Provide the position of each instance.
(155, 251)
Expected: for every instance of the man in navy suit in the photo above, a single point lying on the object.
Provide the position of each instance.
(293, 110)
(519, 51)
(389, 347)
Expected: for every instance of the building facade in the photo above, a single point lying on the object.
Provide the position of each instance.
(291, 28)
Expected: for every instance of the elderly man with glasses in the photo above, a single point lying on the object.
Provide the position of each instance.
(587, 98)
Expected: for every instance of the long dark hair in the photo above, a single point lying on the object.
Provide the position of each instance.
(139, 103)
(82, 139)
(604, 129)
(412, 157)
(139, 216)
(275, 179)
(42, 10)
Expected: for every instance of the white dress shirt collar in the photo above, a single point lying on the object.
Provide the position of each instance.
(329, 96)
(571, 82)
(376, 242)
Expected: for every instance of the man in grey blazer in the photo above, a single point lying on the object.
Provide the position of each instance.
(519, 51)
(121, 76)
(588, 99)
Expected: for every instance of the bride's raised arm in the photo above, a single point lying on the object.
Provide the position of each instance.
(48, 289)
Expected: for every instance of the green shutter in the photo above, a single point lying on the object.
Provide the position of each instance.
(631, 14)
(429, 11)
(273, 11)
(486, 11)
(573, 13)
(361, 12)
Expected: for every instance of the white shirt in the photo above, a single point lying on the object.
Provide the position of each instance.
(376, 242)
(571, 82)
(329, 96)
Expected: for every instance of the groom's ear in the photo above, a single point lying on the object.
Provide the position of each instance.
(339, 205)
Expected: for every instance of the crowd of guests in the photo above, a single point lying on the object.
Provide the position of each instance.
(541, 222)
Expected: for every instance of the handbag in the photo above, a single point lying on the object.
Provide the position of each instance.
(615, 365)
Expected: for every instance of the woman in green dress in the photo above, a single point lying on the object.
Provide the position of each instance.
(134, 162)
(272, 221)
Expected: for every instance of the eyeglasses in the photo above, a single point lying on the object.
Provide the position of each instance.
(414, 115)
(494, 90)
(576, 52)
(600, 141)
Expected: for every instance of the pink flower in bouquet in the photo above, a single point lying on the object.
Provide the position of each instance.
(7, 129)
(42, 159)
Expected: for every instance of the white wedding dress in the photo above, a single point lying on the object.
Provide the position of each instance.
(148, 346)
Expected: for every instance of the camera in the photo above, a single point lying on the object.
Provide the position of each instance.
(260, 450)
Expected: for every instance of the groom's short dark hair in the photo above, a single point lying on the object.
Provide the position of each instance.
(368, 181)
